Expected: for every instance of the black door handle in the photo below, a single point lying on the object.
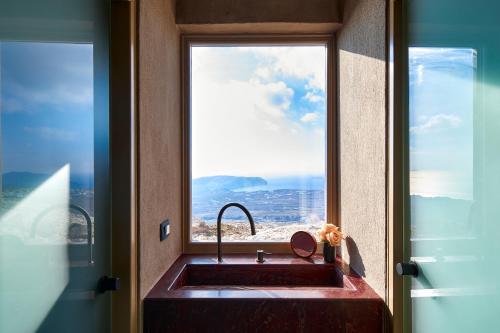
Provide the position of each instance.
(107, 283)
(407, 268)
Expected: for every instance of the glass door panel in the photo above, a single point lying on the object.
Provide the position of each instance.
(54, 215)
(454, 164)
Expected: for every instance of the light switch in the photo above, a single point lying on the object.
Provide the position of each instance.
(164, 230)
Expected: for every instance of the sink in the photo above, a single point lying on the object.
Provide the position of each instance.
(284, 294)
(258, 276)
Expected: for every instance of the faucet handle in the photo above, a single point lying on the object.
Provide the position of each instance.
(260, 256)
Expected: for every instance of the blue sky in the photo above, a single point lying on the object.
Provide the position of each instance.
(442, 85)
(46, 106)
(258, 111)
(272, 101)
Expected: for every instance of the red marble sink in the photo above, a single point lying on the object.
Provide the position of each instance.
(284, 294)
(256, 276)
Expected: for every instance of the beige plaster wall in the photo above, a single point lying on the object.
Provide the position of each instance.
(362, 117)
(361, 73)
(159, 139)
(255, 11)
(260, 28)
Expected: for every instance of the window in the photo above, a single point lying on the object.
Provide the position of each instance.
(256, 120)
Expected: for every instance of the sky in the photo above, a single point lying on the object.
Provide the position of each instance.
(258, 111)
(46, 107)
(442, 83)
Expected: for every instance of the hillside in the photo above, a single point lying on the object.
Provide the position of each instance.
(217, 183)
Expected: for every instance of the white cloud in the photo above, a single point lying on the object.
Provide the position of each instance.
(304, 62)
(50, 133)
(437, 122)
(278, 92)
(310, 117)
(64, 97)
(420, 74)
(238, 129)
(312, 97)
(242, 117)
(264, 73)
(55, 75)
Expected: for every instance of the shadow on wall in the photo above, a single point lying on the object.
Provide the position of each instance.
(355, 260)
(363, 28)
(347, 8)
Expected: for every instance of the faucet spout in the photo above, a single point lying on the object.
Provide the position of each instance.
(219, 227)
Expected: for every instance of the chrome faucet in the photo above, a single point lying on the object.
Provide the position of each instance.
(219, 229)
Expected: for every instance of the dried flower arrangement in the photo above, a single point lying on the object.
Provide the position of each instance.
(331, 234)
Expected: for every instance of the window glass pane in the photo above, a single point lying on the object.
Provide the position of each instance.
(442, 85)
(258, 138)
(47, 130)
(47, 187)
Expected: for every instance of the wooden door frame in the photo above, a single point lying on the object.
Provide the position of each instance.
(397, 291)
(332, 155)
(123, 161)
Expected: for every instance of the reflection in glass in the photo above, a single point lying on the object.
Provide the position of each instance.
(442, 87)
(54, 166)
(47, 183)
(442, 91)
(47, 124)
(454, 126)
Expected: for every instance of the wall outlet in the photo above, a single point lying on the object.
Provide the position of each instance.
(164, 230)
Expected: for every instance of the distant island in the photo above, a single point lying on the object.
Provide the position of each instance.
(16, 180)
(17, 186)
(280, 199)
(216, 183)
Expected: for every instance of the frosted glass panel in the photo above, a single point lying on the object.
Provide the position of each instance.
(454, 140)
(54, 224)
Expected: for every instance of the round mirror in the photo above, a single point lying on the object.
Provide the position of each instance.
(303, 244)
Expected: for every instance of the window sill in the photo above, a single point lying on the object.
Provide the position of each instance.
(240, 247)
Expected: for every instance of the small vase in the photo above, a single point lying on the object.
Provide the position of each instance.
(329, 252)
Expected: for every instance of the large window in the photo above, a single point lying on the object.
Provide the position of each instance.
(257, 127)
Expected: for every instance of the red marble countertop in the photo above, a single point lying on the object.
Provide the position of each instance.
(355, 288)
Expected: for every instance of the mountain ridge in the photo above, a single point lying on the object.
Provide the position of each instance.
(214, 183)
(25, 179)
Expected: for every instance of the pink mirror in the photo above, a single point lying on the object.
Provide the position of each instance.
(303, 244)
